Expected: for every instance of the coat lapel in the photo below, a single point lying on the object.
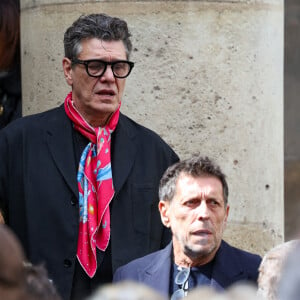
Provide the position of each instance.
(227, 269)
(157, 272)
(60, 143)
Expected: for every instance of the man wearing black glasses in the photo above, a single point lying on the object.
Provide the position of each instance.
(194, 205)
(78, 183)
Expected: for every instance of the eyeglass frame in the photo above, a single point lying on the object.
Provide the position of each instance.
(182, 290)
(76, 61)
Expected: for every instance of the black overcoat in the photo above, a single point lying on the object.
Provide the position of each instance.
(39, 194)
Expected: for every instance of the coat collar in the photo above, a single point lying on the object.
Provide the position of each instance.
(226, 270)
(60, 143)
(123, 151)
(157, 272)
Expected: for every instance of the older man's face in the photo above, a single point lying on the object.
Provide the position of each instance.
(197, 216)
(96, 98)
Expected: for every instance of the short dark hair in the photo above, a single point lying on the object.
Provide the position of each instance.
(195, 166)
(100, 26)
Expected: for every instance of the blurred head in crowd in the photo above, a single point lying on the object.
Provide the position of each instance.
(38, 285)
(270, 269)
(243, 291)
(12, 273)
(238, 291)
(289, 281)
(126, 290)
(9, 34)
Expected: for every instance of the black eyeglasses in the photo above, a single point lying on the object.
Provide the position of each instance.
(181, 279)
(97, 67)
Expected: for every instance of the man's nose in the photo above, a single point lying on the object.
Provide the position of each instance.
(108, 74)
(202, 210)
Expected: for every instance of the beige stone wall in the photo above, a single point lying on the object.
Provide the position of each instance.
(208, 78)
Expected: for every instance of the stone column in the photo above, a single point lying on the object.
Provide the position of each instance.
(291, 118)
(208, 78)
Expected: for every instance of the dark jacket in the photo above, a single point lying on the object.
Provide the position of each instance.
(39, 194)
(230, 265)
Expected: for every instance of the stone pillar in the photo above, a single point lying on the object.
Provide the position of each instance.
(208, 78)
(291, 118)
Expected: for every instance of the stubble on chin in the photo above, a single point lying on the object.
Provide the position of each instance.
(202, 251)
(199, 253)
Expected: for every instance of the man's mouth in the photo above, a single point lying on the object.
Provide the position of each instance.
(203, 232)
(106, 92)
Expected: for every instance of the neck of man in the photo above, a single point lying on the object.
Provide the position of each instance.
(92, 119)
(187, 258)
(99, 122)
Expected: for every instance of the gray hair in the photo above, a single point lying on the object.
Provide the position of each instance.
(100, 26)
(196, 166)
(289, 277)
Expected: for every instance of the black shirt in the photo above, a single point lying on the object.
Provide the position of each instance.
(199, 276)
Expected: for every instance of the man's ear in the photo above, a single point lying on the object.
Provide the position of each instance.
(67, 67)
(2, 221)
(226, 216)
(163, 207)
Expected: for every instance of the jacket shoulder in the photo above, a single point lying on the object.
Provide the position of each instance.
(247, 260)
(35, 119)
(35, 124)
(132, 269)
(133, 128)
(146, 139)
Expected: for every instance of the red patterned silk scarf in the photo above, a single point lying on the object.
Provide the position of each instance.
(95, 186)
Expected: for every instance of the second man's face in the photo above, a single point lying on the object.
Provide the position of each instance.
(96, 98)
(197, 216)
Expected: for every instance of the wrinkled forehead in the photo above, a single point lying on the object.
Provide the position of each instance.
(95, 45)
(205, 184)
